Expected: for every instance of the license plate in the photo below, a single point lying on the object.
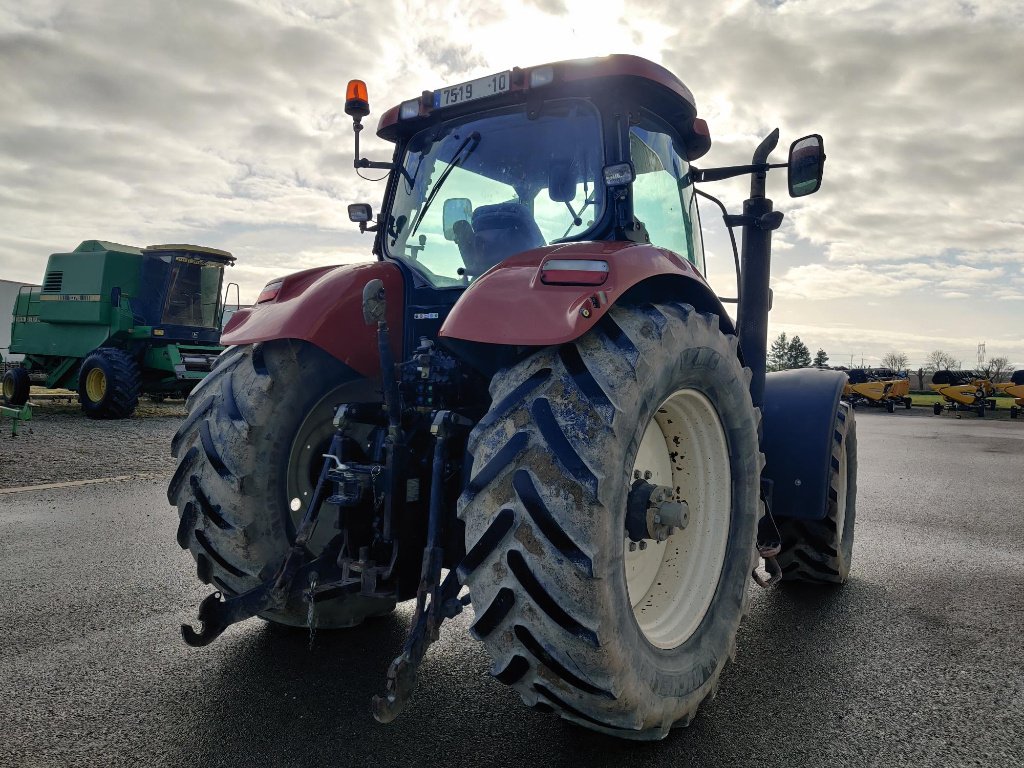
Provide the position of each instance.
(474, 89)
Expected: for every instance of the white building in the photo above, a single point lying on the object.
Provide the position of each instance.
(8, 293)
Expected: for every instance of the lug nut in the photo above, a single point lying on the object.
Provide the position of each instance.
(648, 474)
(643, 545)
(632, 546)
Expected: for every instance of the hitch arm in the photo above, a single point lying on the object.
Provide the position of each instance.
(217, 613)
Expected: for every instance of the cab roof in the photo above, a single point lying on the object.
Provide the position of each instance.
(647, 83)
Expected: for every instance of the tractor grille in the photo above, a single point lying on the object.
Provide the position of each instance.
(53, 281)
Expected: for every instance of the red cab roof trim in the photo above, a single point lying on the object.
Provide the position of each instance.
(571, 70)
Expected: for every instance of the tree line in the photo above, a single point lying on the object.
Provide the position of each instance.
(786, 353)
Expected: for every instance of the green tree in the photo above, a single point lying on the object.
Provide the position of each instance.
(820, 358)
(778, 353)
(798, 355)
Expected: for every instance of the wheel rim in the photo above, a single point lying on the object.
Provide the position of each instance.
(8, 387)
(96, 385)
(671, 584)
(305, 460)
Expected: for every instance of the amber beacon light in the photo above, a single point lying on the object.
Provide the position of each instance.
(357, 101)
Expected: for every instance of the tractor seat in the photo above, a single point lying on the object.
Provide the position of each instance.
(503, 230)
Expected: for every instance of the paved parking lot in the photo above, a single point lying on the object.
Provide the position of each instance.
(918, 661)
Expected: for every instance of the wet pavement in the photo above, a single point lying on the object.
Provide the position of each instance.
(918, 661)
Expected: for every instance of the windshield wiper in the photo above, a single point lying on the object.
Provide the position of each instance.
(457, 159)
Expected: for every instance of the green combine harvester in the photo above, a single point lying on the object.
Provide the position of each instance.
(114, 321)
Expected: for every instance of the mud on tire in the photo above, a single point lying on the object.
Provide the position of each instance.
(820, 551)
(545, 514)
(251, 443)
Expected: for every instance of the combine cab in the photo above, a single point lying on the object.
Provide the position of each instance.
(533, 389)
(877, 386)
(113, 321)
(963, 391)
(1013, 388)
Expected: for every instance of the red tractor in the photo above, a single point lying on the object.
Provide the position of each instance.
(531, 400)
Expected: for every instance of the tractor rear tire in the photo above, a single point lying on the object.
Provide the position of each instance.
(820, 551)
(249, 454)
(625, 642)
(108, 384)
(16, 386)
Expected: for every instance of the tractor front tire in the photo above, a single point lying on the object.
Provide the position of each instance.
(16, 386)
(820, 551)
(108, 384)
(249, 452)
(625, 641)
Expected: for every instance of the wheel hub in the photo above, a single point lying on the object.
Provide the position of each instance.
(652, 512)
(96, 385)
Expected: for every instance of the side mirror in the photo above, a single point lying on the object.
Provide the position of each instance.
(561, 182)
(456, 209)
(806, 165)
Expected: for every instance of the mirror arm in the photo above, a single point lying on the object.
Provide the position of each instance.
(728, 171)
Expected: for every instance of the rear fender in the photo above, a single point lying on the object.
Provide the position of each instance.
(798, 422)
(324, 306)
(509, 304)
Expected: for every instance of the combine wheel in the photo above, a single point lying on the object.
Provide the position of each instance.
(819, 551)
(991, 404)
(623, 637)
(16, 386)
(907, 403)
(937, 408)
(1014, 411)
(108, 384)
(981, 410)
(249, 455)
(890, 406)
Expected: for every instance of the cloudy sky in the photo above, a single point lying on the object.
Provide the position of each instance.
(222, 124)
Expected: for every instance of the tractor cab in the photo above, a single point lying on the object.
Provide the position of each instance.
(180, 292)
(592, 150)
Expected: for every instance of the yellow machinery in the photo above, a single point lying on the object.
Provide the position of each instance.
(1013, 388)
(963, 391)
(877, 386)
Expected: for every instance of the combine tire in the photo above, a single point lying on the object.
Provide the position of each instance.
(16, 386)
(908, 403)
(936, 408)
(108, 384)
(249, 454)
(890, 406)
(819, 551)
(1014, 411)
(624, 641)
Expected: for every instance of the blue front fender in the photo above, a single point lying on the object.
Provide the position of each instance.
(798, 423)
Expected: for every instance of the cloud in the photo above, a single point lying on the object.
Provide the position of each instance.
(222, 124)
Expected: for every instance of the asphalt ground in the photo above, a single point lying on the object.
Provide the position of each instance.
(917, 661)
